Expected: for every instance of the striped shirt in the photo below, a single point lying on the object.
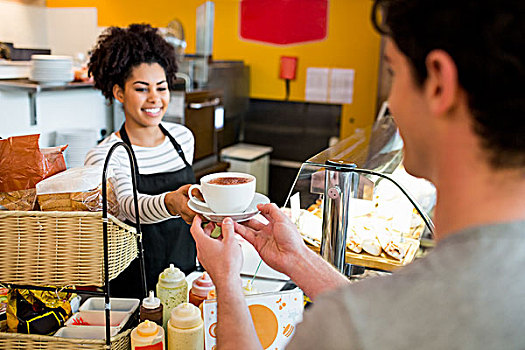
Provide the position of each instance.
(150, 160)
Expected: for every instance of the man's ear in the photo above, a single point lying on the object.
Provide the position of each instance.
(442, 84)
(118, 93)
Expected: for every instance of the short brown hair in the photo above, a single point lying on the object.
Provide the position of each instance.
(485, 40)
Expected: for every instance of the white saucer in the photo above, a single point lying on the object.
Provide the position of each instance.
(250, 212)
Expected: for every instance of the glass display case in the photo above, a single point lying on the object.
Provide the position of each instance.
(350, 203)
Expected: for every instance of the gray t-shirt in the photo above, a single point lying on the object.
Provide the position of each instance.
(467, 293)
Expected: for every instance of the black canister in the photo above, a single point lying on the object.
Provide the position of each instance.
(151, 309)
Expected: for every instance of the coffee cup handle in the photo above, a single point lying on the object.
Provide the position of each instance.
(195, 199)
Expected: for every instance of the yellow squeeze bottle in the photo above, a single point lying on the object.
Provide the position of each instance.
(185, 328)
(147, 335)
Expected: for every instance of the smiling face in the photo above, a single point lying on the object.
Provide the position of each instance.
(145, 95)
(410, 110)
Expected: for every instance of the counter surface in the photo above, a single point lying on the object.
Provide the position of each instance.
(31, 86)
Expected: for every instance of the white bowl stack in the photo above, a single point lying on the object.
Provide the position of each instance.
(51, 69)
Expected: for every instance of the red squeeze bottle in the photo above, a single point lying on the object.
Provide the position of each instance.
(200, 288)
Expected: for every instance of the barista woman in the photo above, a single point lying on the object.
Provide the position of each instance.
(137, 67)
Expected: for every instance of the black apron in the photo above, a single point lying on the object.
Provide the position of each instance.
(167, 242)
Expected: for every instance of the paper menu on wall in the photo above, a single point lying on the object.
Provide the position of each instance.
(274, 315)
(330, 85)
(317, 83)
(341, 85)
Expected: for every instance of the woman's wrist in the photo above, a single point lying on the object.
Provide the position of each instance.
(169, 203)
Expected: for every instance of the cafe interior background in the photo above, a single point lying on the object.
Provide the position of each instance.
(249, 43)
(292, 92)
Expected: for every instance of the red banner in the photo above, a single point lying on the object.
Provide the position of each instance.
(284, 21)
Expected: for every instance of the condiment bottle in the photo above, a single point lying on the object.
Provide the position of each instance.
(185, 328)
(249, 289)
(148, 335)
(212, 294)
(172, 289)
(200, 288)
(151, 309)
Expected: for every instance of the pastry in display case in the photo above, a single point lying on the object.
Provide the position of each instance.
(349, 202)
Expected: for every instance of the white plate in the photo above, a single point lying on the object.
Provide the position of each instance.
(250, 212)
(197, 205)
(51, 58)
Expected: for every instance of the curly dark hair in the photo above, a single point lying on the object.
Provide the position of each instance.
(119, 50)
(485, 40)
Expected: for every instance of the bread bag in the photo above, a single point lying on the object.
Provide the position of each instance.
(22, 165)
(77, 189)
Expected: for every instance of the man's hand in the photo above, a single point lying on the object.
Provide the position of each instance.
(278, 243)
(177, 203)
(222, 257)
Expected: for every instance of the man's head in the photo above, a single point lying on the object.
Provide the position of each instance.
(482, 40)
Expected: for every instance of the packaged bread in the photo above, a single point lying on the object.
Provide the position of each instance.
(77, 189)
(18, 200)
(23, 164)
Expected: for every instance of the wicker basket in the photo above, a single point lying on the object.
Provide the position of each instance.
(62, 248)
(17, 341)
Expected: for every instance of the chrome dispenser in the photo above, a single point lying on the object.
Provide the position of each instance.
(338, 186)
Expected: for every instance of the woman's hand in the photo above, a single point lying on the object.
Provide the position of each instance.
(221, 257)
(278, 243)
(177, 203)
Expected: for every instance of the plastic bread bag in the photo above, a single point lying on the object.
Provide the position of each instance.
(22, 165)
(77, 189)
(3, 299)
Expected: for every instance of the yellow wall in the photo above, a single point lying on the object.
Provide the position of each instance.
(351, 43)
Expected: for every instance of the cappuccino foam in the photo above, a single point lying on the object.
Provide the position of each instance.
(229, 180)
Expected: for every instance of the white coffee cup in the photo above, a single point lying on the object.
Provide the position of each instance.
(223, 194)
